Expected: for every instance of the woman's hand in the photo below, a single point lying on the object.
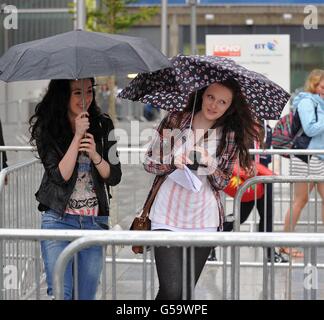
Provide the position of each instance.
(82, 124)
(181, 160)
(251, 172)
(205, 158)
(88, 145)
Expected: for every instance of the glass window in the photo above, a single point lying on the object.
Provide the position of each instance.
(304, 58)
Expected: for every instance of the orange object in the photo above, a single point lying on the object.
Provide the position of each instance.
(239, 176)
(263, 170)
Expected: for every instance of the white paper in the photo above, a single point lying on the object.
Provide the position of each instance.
(194, 179)
(186, 179)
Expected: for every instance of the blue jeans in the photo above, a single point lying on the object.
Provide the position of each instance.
(90, 260)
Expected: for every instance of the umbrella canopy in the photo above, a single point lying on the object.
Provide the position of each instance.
(170, 88)
(80, 54)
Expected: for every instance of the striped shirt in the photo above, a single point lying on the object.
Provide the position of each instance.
(185, 209)
(217, 179)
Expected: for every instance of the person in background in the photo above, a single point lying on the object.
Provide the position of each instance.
(102, 96)
(263, 204)
(71, 136)
(310, 107)
(151, 113)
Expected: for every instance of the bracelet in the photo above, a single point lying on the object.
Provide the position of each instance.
(98, 162)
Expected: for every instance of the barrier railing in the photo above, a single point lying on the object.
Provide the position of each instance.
(22, 274)
(19, 208)
(18, 184)
(237, 205)
(184, 239)
(279, 165)
(267, 179)
(85, 238)
(289, 152)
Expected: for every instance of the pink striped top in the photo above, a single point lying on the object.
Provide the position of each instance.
(176, 208)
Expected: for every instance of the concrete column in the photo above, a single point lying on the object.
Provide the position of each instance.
(174, 36)
(81, 14)
(193, 26)
(164, 26)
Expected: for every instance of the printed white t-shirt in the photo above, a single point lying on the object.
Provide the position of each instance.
(83, 200)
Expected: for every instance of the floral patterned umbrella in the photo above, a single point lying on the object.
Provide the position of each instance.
(170, 88)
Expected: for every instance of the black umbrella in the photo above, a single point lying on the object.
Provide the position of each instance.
(170, 88)
(80, 54)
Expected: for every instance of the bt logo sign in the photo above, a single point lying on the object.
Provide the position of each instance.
(270, 45)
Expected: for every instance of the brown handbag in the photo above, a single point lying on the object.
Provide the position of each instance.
(142, 222)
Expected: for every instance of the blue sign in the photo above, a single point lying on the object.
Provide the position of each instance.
(262, 2)
(236, 2)
(158, 2)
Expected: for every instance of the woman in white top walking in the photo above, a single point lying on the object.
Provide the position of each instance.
(217, 125)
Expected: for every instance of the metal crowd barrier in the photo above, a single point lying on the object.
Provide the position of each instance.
(265, 180)
(308, 258)
(23, 276)
(18, 184)
(185, 240)
(283, 192)
(281, 196)
(307, 279)
(19, 211)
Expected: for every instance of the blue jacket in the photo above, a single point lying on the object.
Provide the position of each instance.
(305, 103)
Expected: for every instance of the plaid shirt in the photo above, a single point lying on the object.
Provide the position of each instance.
(223, 166)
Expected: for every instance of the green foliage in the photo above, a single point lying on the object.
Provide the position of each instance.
(201, 49)
(72, 9)
(113, 16)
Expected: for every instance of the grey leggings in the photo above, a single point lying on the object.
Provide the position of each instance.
(169, 270)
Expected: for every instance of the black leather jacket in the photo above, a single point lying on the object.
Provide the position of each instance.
(54, 192)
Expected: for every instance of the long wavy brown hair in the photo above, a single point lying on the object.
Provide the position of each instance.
(237, 118)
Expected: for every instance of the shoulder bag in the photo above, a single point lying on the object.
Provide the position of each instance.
(142, 222)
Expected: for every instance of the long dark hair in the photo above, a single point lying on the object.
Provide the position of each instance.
(50, 121)
(237, 118)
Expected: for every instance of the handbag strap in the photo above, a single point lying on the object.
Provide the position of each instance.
(160, 179)
(152, 195)
(301, 130)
